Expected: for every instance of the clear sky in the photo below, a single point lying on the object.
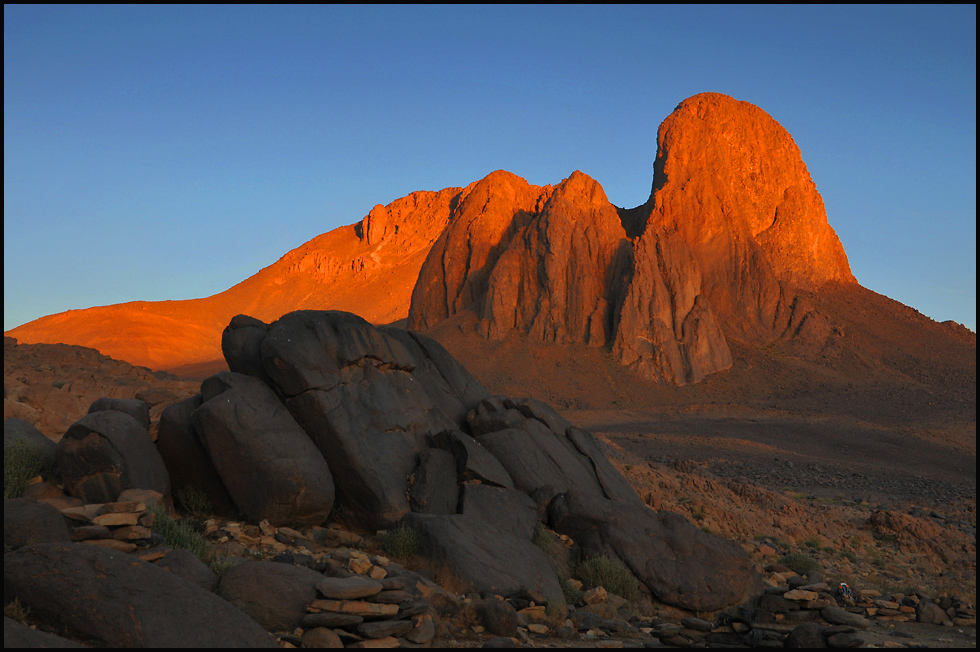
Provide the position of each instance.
(170, 152)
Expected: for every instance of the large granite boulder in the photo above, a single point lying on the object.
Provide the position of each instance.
(117, 600)
(680, 564)
(570, 479)
(187, 460)
(275, 595)
(107, 452)
(368, 398)
(487, 545)
(268, 463)
(27, 521)
(139, 410)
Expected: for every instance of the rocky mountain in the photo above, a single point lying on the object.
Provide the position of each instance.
(733, 228)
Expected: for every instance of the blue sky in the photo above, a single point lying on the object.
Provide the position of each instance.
(170, 152)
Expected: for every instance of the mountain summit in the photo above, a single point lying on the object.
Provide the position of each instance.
(733, 228)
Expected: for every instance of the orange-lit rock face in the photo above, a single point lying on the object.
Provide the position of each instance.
(733, 227)
(724, 170)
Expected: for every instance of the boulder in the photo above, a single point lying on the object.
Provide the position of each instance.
(498, 616)
(680, 564)
(487, 546)
(15, 429)
(106, 452)
(117, 600)
(187, 460)
(368, 398)
(321, 637)
(837, 616)
(806, 635)
(931, 613)
(274, 595)
(27, 521)
(270, 466)
(543, 453)
(135, 408)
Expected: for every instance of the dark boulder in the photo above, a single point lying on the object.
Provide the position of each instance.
(488, 545)
(269, 465)
(681, 565)
(806, 635)
(187, 460)
(368, 397)
(498, 616)
(106, 452)
(543, 453)
(274, 595)
(14, 429)
(27, 521)
(117, 600)
(135, 408)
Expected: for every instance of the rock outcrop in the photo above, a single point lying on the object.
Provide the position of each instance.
(411, 438)
(734, 227)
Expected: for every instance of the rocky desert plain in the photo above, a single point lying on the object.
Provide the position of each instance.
(509, 415)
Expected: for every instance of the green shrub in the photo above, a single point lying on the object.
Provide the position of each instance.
(543, 539)
(610, 575)
(572, 595)
(400, 543)
(178, 535)
(21, 462)
(799, 562)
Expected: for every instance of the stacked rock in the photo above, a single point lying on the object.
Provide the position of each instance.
(123, 525)
(359, 611)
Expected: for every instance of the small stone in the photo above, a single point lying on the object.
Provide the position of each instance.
(423, 632)
(595, 596)
(697, 624)
(799, 595)
(327, 619)
(348, 588)
(393, 597)
(377, 573)
(126, 507)
(837, 616)
(85, 532)
(385, 628)
(388, 642)
(321, 637)
(117, 519)
(131, 533)
(538, 628)
(353, 607)
(359, 566)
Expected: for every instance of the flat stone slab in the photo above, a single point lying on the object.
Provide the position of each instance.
(348, 588)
